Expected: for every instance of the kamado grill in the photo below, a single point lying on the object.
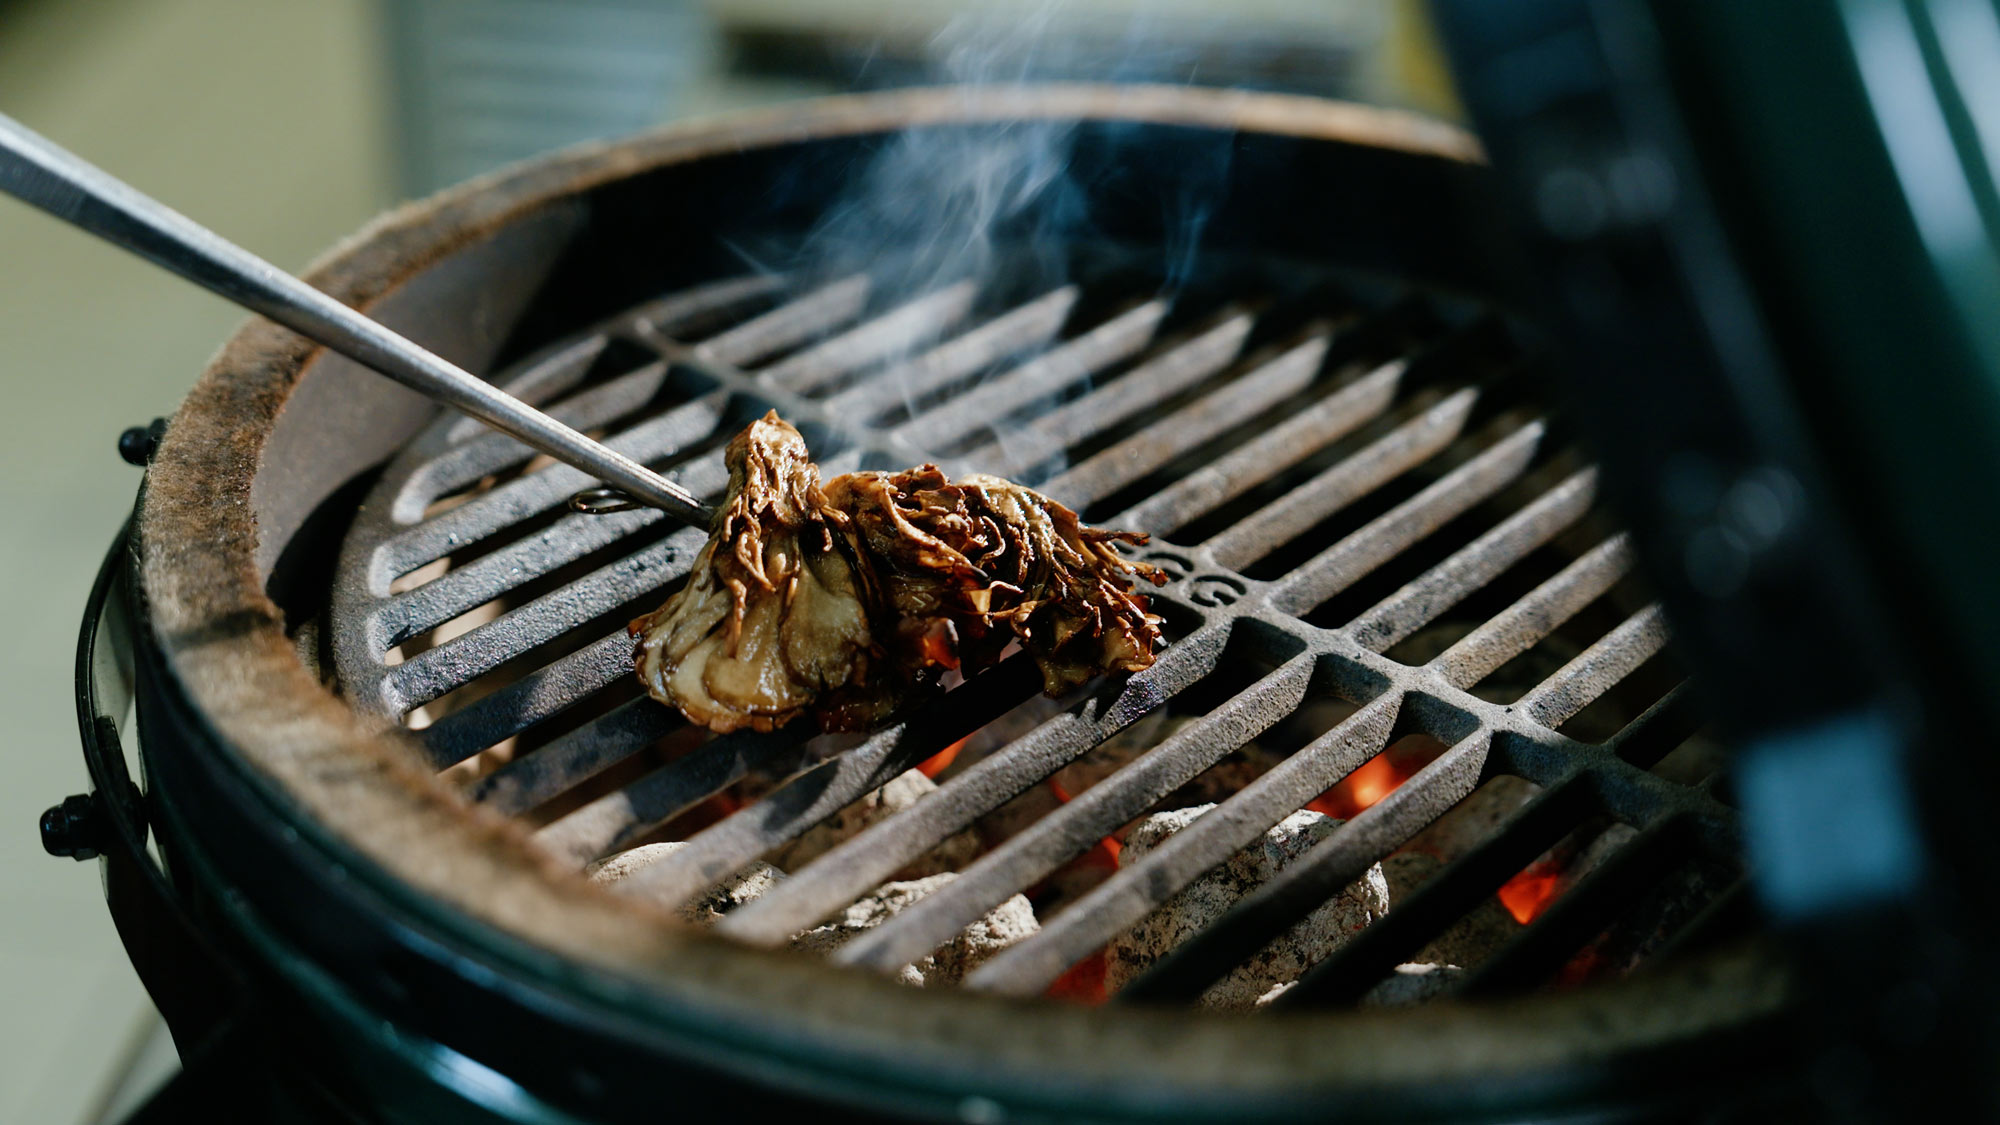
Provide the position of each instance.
(387, 720)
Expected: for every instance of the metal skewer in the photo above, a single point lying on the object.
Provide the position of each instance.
(45, 175)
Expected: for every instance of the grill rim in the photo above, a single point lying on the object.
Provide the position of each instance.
(227, 657)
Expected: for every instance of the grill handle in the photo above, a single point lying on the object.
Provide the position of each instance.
(43, 174)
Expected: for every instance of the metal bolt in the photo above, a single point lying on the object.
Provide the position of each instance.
(73, 828)
(138, 443)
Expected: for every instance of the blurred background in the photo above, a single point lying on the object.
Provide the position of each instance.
(285, 124)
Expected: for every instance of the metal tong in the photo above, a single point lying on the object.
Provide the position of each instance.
(41, 173)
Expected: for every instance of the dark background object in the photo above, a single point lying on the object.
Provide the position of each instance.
(1762, 231)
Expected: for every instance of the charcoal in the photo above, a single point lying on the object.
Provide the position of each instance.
(1412, 983)
(1208, 897)
(1002, 926)
(712, 903)
(951, 854)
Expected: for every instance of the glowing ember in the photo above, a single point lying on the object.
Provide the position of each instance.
(1082, 982)
(1378, 777)
(937, 763)
(1528, 894)
(1375, 779)
(1102, 854)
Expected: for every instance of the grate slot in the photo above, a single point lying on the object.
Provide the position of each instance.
(1728, 915)
(620, 820)
(1200, 421)
(1522, 625)
(588, 409)
(818, 793)
(1261, 916)
(1396, 530)
(1149, 384)
(559, 369)
(1028, 967)
(1470, 568)
(697, 309)
(1447, 896)
(1277, 449)
(490, 576)
(899, 330)
(784, 327)
(1077, 826)
(480, 518)
(1596, 669)
(1117, 339)
(464, 658)
(1341, 484)
(1664, 726)
(853, 868)
(1583, 912)
(582, 753)
(463, 463)
(1023, 329)
(529, 700)
(536, 379)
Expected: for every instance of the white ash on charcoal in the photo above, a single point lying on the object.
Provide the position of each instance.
(951, 853)
(1274, 992)
(1207, 898)
(712, 903)
(1005, 924)
(1412, 983)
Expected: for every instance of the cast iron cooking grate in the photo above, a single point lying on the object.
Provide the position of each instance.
(1376, 538)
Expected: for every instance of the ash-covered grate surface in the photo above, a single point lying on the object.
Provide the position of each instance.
(1385, 564)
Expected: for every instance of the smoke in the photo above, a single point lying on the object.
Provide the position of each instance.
(994, 204)
(947, 199)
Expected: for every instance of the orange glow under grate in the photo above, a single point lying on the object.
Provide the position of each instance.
(1378, 777)
(1528, 894)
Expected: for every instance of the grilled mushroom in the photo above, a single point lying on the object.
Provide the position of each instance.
(846, 598)
(773, 615)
